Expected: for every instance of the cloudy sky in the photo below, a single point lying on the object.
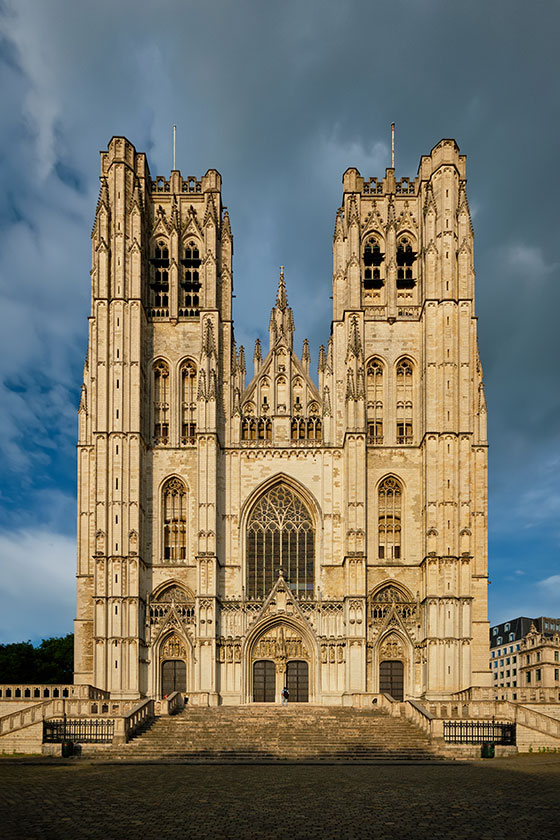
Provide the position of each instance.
(280, 97)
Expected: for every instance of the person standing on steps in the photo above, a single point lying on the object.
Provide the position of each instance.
(285, 695)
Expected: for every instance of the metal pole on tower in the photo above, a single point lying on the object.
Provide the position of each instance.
(174, 130)
(392, 145)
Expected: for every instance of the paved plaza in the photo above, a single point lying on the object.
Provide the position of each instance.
(501, 798)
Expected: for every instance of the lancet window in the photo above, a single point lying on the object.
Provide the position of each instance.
(189, 292)
(389, 501)
(188, 404)
(174, 504)
(375, 402)
(280, 536)
(373, 259)
(159, 284)
(161, 403)
(404, 376)
(406, 258)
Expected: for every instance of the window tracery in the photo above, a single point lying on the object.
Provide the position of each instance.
(389, 519)
(373, 259)
(174, 520)
(159, 285)
(280, 535)
(161, 403)
(189, 292)
(375, 402)
(404, 376)
(406, 258)
(391, 597)
(188, 404)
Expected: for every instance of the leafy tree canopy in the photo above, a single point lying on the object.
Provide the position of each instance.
(50, 662)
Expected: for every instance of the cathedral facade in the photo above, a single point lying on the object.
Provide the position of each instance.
(241, 533)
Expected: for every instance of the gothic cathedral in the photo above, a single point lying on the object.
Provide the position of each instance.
(238, 533)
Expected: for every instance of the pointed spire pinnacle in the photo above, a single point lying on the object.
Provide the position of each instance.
(326, 401)
(330, 355)
(241, 360)
(175, 220)
(305, 357)
(354, 341)
(233, 357)
(209, 345)
(103, 193)
(322, 363)
(353, 216)
(361, 389)
(281, 324)
(257, 356)
(282, 296)
(350, 391)
(226, 225)
(338, 226)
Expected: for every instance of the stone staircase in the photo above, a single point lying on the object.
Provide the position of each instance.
(299, 732)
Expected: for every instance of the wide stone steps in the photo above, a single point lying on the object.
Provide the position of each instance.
(276, 733)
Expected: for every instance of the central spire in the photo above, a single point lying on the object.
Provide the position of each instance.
(281, 326)
(282, 296)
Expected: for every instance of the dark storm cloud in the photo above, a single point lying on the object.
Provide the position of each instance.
(282, 98)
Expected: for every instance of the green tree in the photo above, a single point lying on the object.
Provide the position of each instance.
(50, 662)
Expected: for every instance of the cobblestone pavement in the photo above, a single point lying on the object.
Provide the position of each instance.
(504, 798)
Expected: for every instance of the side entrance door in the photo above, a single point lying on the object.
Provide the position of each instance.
(297, 680)
(264, 681)
(391, 678)
(173, 676)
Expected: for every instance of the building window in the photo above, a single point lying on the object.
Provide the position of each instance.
(406, 258)
(389, 518)
(188, 404)
(189, 292)
(174, 520)
(373, 259)
(161, 403)
(375, 402)
(302, 428)
(280, 536)
(404, 401)
(527, 659)
(556, 673)
(556, 657)
(538, 675)
(528, 676)
(159, 285)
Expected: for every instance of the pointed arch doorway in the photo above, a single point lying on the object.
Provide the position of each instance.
(391, 678)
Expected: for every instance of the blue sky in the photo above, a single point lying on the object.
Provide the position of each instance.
(281, 98)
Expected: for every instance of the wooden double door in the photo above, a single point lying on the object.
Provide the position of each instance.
(296, 680)
(391, 678)
(173, 676)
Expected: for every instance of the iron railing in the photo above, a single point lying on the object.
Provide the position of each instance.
(80, 731)
(479, 732)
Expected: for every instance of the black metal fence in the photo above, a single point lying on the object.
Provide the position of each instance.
(479, 732)
(80, 731)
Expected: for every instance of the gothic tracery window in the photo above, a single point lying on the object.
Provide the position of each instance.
(188, 404)
(161, 403)
(404, 374)
(189, 293)
(406, 258)
(159, 284)
(280, 535)
(389, 501)
(174, 505)
(375, 402)
(373, 258)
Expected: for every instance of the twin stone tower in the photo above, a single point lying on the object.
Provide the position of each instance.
(237, 534)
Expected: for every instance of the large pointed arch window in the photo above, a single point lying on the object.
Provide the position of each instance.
(389, 502)
(404, 401)
(375, 402)
(174, 504)
(159, 285)
(373, 260)
(188, 404)
(161, 403)
(280, 536)
(189, 293)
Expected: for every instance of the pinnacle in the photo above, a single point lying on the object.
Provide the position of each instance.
(282, 296)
